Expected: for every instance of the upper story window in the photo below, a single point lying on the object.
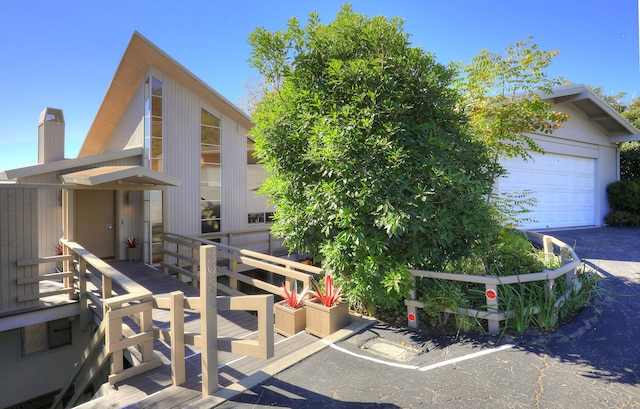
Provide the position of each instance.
(153, 123)
(210, 180)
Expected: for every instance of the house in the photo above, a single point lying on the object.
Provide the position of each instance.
(165, 152)
(569, 180)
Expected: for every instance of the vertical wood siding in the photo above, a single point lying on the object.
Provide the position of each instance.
(181, 138)
(18, 232)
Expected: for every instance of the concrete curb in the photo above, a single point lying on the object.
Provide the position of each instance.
(358, 323)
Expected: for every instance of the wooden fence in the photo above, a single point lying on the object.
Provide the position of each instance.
(569, 260)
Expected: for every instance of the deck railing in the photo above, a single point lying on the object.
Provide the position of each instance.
(180, 257)
(112, 338)
(568, 258)
(32, 292)
(209, 304)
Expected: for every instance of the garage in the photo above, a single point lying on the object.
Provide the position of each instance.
(563, 185)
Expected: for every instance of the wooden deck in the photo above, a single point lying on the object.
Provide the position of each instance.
(154, 389)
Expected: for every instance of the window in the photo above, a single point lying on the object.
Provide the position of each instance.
(210, 179)
(153, 148)
(153, 123)
(46, 336)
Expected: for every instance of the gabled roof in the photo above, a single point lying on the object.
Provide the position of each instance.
(600, 113)
(139, 56)
(119, 175)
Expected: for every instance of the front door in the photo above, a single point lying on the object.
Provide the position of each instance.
(96, 221)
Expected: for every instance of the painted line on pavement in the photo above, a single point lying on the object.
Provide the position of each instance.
(368, 358)
(466, 357)
(415, 367)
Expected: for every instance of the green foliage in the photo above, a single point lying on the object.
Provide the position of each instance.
(518, 299)
(503, 99)
(630, 160)
(510, 208)
(624, 195)
(372, 166)
(510, 253)
(622, 218)
(584, 294)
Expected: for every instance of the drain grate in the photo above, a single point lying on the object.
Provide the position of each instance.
(391, 350)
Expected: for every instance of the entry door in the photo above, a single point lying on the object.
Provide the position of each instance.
(96, 222)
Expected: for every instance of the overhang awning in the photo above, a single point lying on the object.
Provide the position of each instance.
(120, 177)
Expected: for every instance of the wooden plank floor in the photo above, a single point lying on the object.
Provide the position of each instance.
(153, 389)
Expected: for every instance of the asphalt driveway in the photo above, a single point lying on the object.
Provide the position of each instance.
(592, 362)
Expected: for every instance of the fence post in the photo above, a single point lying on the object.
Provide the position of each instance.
(547, 244)
(491, 295)
(209, 318)
(412, 311)
(571, 276)
(178, 374)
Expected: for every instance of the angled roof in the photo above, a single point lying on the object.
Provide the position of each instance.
(601, 114)
(139, 56)
(120, 175)
(62, 165)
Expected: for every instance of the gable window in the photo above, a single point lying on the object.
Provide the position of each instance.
(45, 336)
(153, 134)
(210, 172)
(153, 123)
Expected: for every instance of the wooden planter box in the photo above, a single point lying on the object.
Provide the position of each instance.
(289, 321)
(132, 253)
(323, 321)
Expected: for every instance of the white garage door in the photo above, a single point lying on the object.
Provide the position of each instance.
(563, 185)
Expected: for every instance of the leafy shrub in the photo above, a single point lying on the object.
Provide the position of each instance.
(630, 161)
(624, 195)
(622, 218)
(624, 199)
(513, 254)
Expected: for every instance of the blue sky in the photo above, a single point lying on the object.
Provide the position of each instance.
(63, 54)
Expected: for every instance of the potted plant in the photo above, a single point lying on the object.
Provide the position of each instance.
(326, 313)
(132, 247)
(290, 317)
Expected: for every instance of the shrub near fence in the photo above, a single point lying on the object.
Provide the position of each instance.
(498, 297)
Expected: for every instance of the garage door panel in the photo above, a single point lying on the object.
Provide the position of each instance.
(564, 187)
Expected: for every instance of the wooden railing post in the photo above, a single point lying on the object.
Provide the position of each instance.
(412, 310)
(178, 373)
(547, 244)
(491, 295)
(208, 318)
(113, 336)
(85, 313)
(107, 289)
(146, 326)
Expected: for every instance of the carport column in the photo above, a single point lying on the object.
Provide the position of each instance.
(209, 319)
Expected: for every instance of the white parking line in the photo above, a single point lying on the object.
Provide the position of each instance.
(415, 367)
(466, 357)
(368, 358)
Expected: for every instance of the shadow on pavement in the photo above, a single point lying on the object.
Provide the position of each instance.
(602, 340)
(276, 393)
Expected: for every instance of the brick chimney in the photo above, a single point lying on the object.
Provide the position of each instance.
(50, 135)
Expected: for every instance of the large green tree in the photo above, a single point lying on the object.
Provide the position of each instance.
(372, 166)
